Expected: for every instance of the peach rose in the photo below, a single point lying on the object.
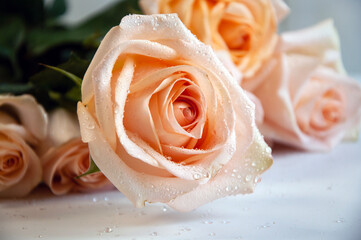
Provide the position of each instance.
(247, 29)
(23, 124)
(68, 157)
(165, 121)
(308, 101)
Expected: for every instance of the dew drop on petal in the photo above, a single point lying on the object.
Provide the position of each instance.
(196, 176)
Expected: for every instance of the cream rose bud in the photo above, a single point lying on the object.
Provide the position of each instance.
(316, 104)
(23, 125)
(165, 121)
(247, 29)
(66, 157)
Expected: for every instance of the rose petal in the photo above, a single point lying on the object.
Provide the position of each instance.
(31, 171)
(246, 171)
(30, 114)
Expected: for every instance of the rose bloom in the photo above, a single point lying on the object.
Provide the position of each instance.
(247, 29)
(23, 124)
(165, 121)
(308, 101)
(67, 157)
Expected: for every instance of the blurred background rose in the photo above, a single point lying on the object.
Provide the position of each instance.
(303, 13)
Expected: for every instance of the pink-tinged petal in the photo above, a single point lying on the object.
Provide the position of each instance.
(259, 115)
(281, 9)
(62, 164)
(137, 186)
(63, 126)
(226, 59)
(103, 76)
(177, 67)
(239, 176)
(320, 41)
(149, 6)
(27, 175)
(28, 112)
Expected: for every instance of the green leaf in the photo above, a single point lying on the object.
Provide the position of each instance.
(54, 89)
(12, 36)
(93, 168)
(31, 11)
(91, 30)
(49, 79)
(69, 75)
(57, 9)
(15, 88)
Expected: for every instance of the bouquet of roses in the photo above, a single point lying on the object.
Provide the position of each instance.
(174, 105)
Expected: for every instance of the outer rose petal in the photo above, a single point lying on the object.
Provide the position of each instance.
(30, 114)
(242, 180)
(297, 79)
(30, 170)
(252, 24)
(62, 164)
(64, 156)
(22, 121)
(125, 155)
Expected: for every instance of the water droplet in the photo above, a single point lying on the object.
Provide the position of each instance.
(253, 164)
(106, 198)
(234, 170)
(164, 209)
(207, 222)
(154, 234)
(95, 199)
(248, 178)
(228, 188)
(268, 150)
(225, 222)
(108, 230)
(90, 126)
(340, 220)
(212, 234)
(196, 176)
(40, 236)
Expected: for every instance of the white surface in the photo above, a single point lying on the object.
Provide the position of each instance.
(303, 196)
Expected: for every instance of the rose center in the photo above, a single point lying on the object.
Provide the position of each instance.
(235, 36)
(184, 112)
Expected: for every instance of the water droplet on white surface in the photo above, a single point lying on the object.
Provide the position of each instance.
(212, 234)
(154, 234)
(207, 222)
(106, 199)
(248, 178)
(108, 230)
(164, 209)
(340, 220)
